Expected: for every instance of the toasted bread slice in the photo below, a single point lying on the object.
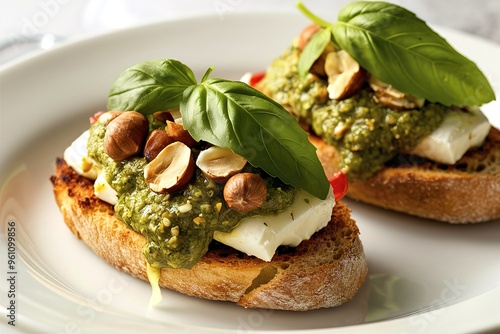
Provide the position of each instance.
(466, 192)
(325, 271)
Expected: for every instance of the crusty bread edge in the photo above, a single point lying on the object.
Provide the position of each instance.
(453, 197)
(306, 279)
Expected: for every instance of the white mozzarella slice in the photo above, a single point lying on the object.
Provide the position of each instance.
(260, 236)
(76, 157)
(459, 132)
(103, 190)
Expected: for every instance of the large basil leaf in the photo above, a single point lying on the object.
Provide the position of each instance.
(400, 49)
(234, 115)
(151, 86)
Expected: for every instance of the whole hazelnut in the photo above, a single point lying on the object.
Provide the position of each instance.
(245, 192)
(125, 135)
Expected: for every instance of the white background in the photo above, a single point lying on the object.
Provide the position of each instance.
(21, 21)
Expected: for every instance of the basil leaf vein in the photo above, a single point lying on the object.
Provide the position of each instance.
(232, 114)
(400, 49)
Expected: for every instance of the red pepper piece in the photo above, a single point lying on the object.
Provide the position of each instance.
(255, 78)
(339, 184)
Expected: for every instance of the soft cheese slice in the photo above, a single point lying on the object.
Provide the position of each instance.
(459, 132)
(76, 156)
(260, 236)
(103, 190)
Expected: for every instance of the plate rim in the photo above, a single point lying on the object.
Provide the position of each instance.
(91, 38)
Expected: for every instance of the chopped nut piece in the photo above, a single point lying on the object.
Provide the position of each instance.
(172, 242)
(174, 231)
(166, 222)
(340, 130)
(125, 135)
(186, 207)
(390, 97)
(176, 115)
(318, 67)
(345, 76)
(218, 207)
(245, 192)
(219, 164)
(178, 133)
(198, 220)
(171, 170)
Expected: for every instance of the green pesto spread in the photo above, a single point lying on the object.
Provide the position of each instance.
(178, 226)
(282, 82)
(365, 133)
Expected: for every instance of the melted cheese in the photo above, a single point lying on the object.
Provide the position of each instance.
(459, 132)
(154, 275)
(260, 236)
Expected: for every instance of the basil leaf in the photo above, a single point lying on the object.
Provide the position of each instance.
(234, 115)
(313, 50)
(151, 86)
(400, 49)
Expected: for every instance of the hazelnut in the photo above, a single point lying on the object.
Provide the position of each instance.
(390, 97)
(157, 141)
(345, 76)
(306, 34)
(318, 67)
(171, 170)
(163, 116)
(108, 116)
(219, 164)
(125, 135)
(176, 115)
(245, 192)
(178, 133)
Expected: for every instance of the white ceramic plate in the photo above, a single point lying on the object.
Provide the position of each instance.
(424, 275)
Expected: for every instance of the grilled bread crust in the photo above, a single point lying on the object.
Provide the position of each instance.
(325, 271)
(466, 192)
